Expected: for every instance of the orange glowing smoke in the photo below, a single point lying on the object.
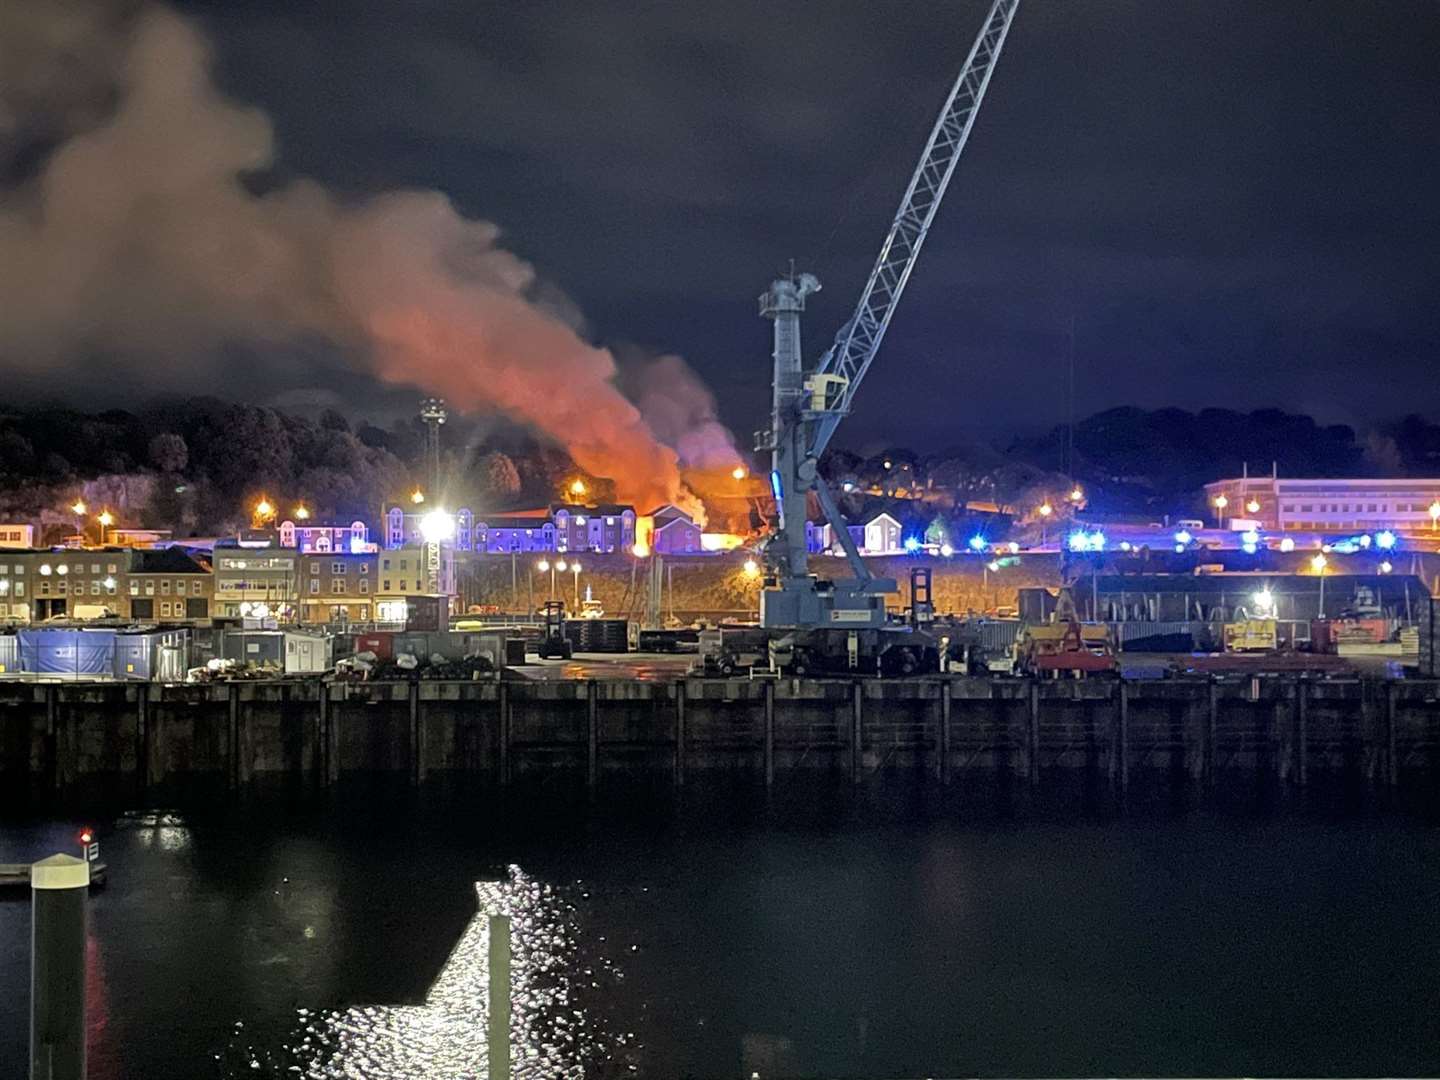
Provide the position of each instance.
(139, 238)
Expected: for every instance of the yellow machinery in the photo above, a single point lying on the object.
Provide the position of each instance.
(1252, 635)
(1066, 646)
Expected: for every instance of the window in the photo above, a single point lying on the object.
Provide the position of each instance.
(94, 568)
(44, 588)
(337, 585)
(364, 585)
(404, 584)
(165, 586)
(94, 588)
(404, 564)
(19, 588)
(314, 585)
(112, 568)
(364, 568)
(384, 564)
(337, 568)
(19, 568)
(195, 587)
(385, 585)
(61, 588)
(314, 569)
(149, 587)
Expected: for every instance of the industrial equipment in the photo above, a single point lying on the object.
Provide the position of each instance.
(554, 644)
(1069, 645)
(1252, 635)
(843, 622)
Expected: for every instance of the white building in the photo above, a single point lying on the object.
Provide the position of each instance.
(1281, 505)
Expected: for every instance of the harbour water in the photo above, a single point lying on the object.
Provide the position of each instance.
(842, 934)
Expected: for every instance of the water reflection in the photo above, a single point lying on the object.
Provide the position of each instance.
(553, 1035)
(159, 831)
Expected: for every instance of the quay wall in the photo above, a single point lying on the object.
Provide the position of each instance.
(153, 742)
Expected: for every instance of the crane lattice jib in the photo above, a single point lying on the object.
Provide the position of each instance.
(859, 339)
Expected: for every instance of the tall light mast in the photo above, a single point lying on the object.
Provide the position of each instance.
(432, 413)
(806, 411)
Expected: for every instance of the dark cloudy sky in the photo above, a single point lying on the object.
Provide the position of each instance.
(1237, 202)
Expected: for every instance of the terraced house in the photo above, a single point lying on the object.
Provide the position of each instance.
(167, 586)
(338, 587)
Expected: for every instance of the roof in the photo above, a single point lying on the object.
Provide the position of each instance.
(598, 510)
(669, 510)
(171, 560)
(677, 521)
(512, 521)
(1279, 582)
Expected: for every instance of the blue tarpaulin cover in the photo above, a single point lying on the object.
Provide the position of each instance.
(67, 652)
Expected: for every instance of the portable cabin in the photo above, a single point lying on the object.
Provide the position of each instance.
(68, 651)
(152, 654)
(308, 654)
(9, 654)
(266, 647)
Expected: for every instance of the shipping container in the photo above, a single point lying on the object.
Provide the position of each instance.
(381, 643)
(9, 654)
(67, 652)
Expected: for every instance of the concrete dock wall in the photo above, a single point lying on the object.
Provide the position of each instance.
(155, 741)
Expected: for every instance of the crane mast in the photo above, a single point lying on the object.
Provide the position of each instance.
(806, 410)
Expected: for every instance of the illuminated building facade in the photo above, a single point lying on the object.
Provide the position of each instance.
(1345, 506)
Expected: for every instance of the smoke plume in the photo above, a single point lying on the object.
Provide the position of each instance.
(681, 412)
(133, 237)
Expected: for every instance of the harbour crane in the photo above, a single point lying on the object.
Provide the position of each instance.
(807, 407)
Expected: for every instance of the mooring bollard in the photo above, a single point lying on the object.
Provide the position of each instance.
(58, 890)
(499, 1034)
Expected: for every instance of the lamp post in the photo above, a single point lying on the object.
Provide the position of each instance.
(1434, 515)
(545, 564)
(575, 569)
(1318, 565)
(78, 509)
(1220, 503)
(1045, 510)
(106, 519)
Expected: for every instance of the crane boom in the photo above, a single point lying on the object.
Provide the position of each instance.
(805, 410)
(859, 339)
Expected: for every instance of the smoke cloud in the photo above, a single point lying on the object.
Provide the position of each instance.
(135, 239)
(681, 412)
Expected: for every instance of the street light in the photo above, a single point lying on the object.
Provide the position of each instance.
(1077, 494)
(1318, 564)
(78, 508)
(417, 496)
(106, 519)
(1253, 506)
(575, 569)
(751, 568)
(577, 487)
(739, 472)
(301, 514)
(1434, 514)
(437, 526)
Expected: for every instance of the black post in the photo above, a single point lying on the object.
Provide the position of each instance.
(58, 889)
(769, 734)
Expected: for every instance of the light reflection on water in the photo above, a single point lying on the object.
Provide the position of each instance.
(552, 1034)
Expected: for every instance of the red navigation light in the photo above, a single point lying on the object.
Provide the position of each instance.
(86, 836)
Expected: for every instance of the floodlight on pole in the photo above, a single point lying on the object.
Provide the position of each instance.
(437, 526)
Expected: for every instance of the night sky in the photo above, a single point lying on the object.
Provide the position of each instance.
(1235, 203)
